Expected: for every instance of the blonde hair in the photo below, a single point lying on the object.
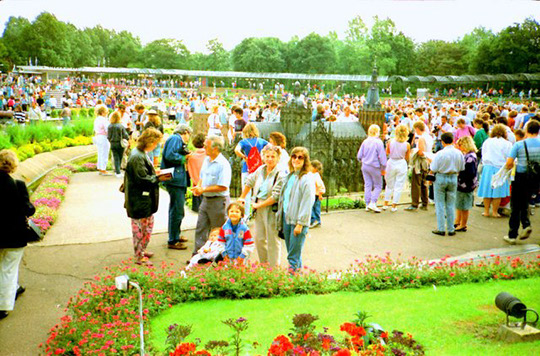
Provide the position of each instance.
(467, 143)
(402, 133)
(250, 131)
(115, 117)
(374, 130)
(101, 110)
(307, 163)
(8, 161)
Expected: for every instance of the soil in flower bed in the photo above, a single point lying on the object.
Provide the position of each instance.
(456, 320)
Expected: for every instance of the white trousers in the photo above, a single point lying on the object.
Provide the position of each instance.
(266, 239)
(103, 147)
(10, 258)
(396, 173)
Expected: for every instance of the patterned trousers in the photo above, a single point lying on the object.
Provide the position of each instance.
(142, 230)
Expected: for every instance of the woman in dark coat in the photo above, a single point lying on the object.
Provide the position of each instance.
(141, 188)
(14, 210)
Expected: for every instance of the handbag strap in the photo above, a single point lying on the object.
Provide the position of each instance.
(526, 151)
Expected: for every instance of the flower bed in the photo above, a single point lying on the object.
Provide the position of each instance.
(360, 338)
(27, 141)
(50, 194)
(100, 319)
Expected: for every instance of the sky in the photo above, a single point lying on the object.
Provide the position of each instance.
(230, 21)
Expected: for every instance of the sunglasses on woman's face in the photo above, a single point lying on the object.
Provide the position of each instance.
(300, 157)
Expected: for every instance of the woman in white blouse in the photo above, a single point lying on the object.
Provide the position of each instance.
(495, 150)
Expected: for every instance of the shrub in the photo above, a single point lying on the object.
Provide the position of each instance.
(91, 113)
(4, 141)
(25, 152)
(18, 135)
(83, 113)
(55, 113)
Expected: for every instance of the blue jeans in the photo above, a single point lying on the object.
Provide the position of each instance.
(316, 211)
(176, 212)
(445, 200)
(294, 245)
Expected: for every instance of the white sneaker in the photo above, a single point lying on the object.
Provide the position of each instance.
(385, 207)
(118, 175)
(525, 233)
(509, 240)
(393, 210)
(374, 208)
(367, 207)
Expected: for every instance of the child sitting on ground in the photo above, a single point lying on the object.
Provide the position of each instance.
(235, 237)
(210, 250)
(320, 189)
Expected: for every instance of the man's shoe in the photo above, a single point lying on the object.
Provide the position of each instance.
(20, 291)
(440, 233)
(480, 205)
(525, 233)
(315, 224)
(451, 233)
(411, 208)
(177, 246)
(509, 240)
(3, 314)
(423, 207)
(182, 239)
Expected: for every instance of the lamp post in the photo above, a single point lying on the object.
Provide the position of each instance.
(122, 283)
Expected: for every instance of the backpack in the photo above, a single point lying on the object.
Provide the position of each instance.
(254, 159)
(533, 167)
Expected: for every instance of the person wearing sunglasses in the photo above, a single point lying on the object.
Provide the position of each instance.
(295, 204)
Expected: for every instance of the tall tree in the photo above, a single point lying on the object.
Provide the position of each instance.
(125, 50)
(218, 58)
(314, 54)
(166, 53)
(16, 47)
(259, 55)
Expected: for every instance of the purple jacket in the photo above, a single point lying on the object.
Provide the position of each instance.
(372, 153)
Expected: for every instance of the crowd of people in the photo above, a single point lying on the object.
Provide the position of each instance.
(450, 149)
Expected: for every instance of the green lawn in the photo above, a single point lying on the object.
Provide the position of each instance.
(446, 320)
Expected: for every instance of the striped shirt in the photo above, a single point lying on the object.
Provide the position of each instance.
(518, 153)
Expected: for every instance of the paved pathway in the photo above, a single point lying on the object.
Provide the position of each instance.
(93, 211)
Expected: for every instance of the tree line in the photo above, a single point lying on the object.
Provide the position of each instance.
(50, 42)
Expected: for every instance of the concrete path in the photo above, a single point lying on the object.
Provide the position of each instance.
(33, 168)
(93, 211)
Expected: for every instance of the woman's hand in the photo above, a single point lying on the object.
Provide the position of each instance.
(298, 230)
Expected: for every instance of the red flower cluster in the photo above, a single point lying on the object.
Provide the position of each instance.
(356, 332)
(188, 349)
(280, 346)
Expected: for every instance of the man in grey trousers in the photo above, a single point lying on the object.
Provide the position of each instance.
(214, 187)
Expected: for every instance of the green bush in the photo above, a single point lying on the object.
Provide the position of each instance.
(83, 127)
(55, 113)
(43, 131)
(18, 134)
(91, 113)
(68, 131)
(83, 113)
(25, 152)
(4, 141)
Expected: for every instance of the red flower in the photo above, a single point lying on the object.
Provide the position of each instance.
(342, 352)
(384, 335)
